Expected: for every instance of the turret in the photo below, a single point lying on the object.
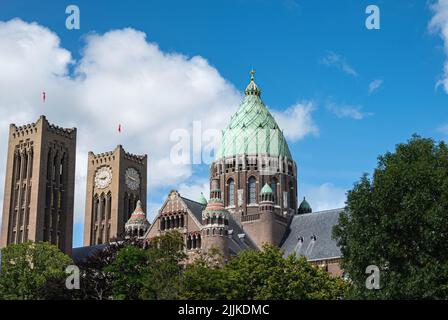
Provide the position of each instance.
(202, 199)
(137, 224)
(215, 221)
(304, 207)
(267, 199)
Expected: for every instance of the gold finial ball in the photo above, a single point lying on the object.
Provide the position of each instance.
(252, 73)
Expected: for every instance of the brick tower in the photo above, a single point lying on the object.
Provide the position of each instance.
(39, 185)
(116, 180)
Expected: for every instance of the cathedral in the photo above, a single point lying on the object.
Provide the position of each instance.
(253, 194)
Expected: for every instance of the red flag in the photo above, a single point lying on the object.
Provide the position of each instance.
(119, 128)
(44, 95)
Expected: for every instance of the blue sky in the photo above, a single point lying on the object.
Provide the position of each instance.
(316, 52)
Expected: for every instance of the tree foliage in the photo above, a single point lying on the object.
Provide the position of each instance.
(266, 274)
(152, 271)
(166, 258)
(398, 221)
(127, 271)
(261, 275)
(97, 282)
(203, 279)
(32, 271)
(162, 270)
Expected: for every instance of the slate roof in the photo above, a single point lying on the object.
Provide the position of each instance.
(239, 239)
(195, 208)
(315, 229)
(82, 253)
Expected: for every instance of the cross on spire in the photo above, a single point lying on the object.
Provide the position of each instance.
(252, 73)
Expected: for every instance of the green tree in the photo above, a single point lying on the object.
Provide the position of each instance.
(203, 279)
(166, 259)
(32, 271)
(397, 221)
(96, 282)
(266, 274)
(128, 270)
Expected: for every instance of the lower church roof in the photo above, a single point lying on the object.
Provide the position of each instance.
(81, 254)
(310, 235)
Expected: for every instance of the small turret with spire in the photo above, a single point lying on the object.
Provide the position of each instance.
(137, 225)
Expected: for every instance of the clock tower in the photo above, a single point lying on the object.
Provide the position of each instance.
(116, 180)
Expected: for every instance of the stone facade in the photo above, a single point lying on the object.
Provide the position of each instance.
(182, 215)
(116, 180)
(245, 174)
(39, 185)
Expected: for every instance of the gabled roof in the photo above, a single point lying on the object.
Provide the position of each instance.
(311, 235)
(194, 207)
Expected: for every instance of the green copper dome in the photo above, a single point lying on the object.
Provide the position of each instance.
(266, 189)
(202, 199)
(252, 129)
(304, 207)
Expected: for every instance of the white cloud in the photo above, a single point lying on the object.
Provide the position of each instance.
(120, 78)
(296, 121)
(338, 61)
(439, 23)
(347, 111)
(193, 190)
(324, 197)
(375, 85)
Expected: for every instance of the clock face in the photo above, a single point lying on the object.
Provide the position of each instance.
(103, 177)
(132, 179)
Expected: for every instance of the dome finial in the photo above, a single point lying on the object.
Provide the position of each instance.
(252, 73)
(252, 88)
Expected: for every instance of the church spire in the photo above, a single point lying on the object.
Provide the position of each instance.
(252, 88)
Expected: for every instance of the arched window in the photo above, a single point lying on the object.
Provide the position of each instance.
(292, 197)
(251, 190)
(97, 213)
(109, 205)
(274, 189)
(189, 243)
(103, 207)
(231, 193)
